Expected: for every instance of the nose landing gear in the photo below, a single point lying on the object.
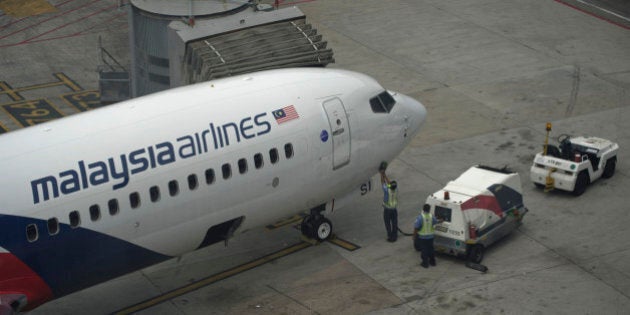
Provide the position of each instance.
(316, 226)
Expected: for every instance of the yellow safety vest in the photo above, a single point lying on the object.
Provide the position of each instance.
(392, 200)
(427, 224)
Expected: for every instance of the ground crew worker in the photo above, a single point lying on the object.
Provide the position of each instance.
(390, 204)
(423, 230)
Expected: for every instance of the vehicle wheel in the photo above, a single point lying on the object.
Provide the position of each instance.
(539, 185)
(307, 227)
(475, 253)
(323, 229)
(609, 170)
(580, 184)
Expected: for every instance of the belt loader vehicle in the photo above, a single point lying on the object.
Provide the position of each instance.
(573, 165)
(480, 207)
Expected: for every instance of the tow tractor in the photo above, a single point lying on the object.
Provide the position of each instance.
(574, 163)
(480, 207)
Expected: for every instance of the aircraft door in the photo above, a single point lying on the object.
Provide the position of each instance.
(340, 128)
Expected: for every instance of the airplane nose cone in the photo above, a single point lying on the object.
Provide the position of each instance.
(418, 114)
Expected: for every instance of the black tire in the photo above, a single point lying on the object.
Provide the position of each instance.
(580, 183)
(322, 229)
(539, 185)
(307, 227)
(475, 253)
(609, 169)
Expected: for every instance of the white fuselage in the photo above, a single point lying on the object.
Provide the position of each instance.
(125, 186)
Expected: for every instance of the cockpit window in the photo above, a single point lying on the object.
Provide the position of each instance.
(382, 103)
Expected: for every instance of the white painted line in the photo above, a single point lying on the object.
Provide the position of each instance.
(604, 10)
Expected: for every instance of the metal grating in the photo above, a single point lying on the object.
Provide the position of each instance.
(279, 45)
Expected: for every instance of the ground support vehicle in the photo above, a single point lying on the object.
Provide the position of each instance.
(575, 164)
(480, 207)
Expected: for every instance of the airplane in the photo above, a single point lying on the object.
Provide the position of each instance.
(99, 194)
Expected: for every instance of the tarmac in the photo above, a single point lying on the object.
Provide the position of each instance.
(491, 74)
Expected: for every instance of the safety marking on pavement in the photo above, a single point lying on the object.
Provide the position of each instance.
(596, 11)
(212, 279)
(3, 129)
(298, 218)
(22, 8)
(343, 243)
(29, 113)
(5, 88)
(83, 100)
(62, 80)
(287, 221)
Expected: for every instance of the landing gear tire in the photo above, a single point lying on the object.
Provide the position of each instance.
(307, 227)
(539, 186)
(475, 253)
(580, 184)
(323, 229)
(609, 170)
(318, 227)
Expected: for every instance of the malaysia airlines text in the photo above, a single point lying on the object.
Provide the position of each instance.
(119, 169)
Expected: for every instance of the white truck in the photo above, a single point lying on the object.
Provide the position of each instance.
(573, 165)
(475, 210)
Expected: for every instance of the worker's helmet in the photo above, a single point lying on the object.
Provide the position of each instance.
(393, 184)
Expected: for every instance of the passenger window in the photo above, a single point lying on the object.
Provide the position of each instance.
(258, 160)
(112, 204)
(31, 232)
(288, 150)
(154, 192)
(53, 226)
(209, 176)
(242, 166)
(95, 212)
(75, 219)
(273, 155)
(134, 200)
(192, 182)
(173, 188)
(227, 170)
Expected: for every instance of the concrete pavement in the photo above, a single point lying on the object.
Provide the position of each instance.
(491, 73)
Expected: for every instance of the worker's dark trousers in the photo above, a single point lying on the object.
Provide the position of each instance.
(390, 216)
(428, 254)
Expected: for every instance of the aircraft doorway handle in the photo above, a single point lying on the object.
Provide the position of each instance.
(338, 132)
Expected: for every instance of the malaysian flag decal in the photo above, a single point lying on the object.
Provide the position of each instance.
(285, 114)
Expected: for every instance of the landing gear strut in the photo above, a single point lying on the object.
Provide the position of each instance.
(316, 226)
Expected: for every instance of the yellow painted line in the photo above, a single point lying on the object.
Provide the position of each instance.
(68, 82)
(344, 244)
(23, 8)
(284, 222)
(81, 104)
(3, 129)
(63, 80)
(38, 112)
(212, 279)
(6, 89)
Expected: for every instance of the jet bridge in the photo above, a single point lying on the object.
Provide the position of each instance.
(292, 43)
(180, 42)
(245, 42)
